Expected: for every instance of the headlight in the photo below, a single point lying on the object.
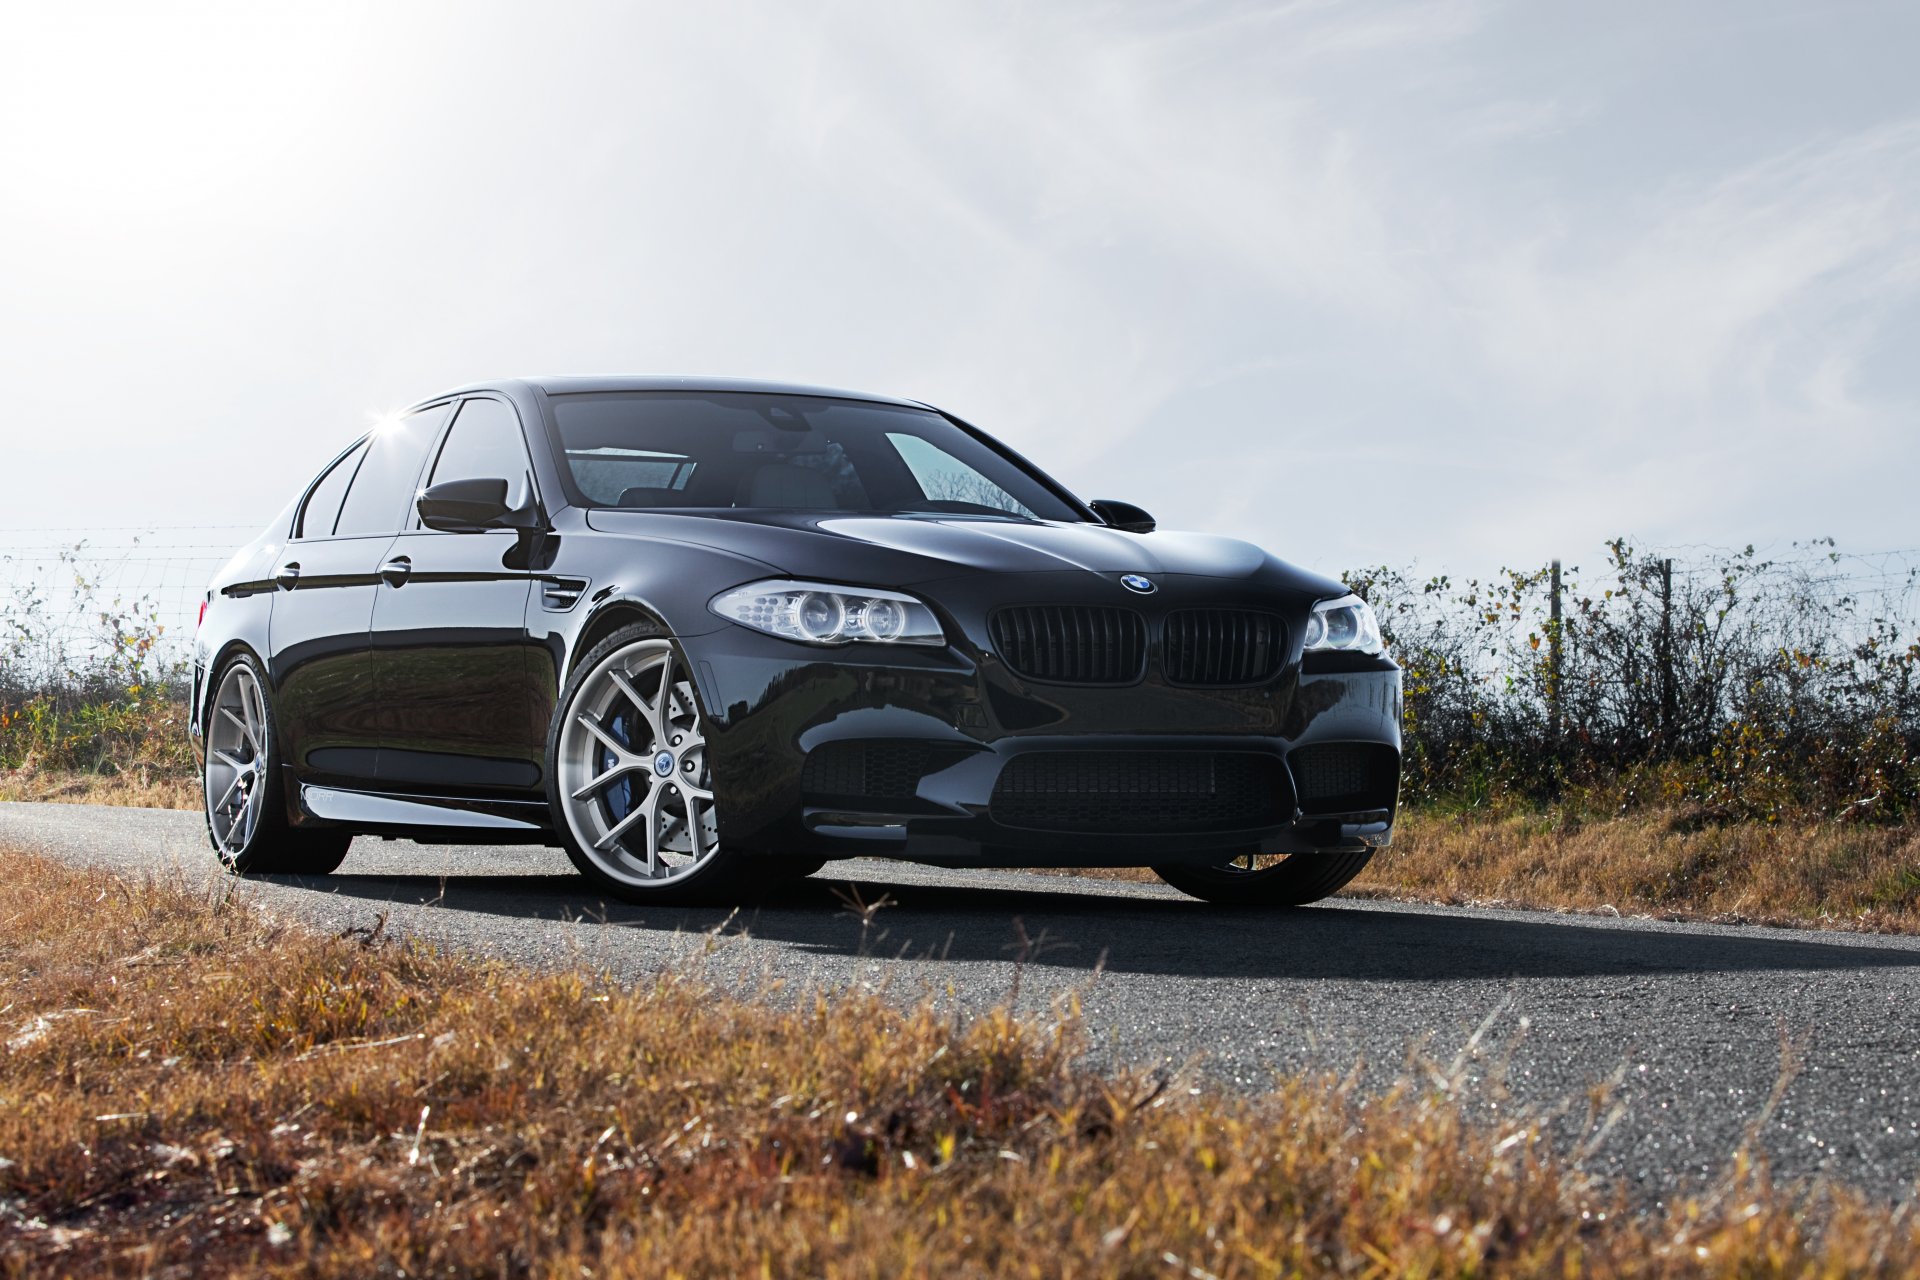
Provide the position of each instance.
(814, 613)
(1346, 625)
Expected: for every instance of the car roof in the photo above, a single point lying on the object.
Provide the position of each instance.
(559, 386)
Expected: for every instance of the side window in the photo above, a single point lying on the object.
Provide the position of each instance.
(323, 506)
(484, 444)
(382, 492)
(949, 483)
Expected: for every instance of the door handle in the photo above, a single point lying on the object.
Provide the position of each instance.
(395, 571)
(286, 575)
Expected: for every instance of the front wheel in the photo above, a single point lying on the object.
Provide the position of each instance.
(629, 779)
(1286, 880)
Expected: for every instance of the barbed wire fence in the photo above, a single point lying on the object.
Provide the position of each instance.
(61, 589)
(1798, 664)
(69, 596)
(1783, 677)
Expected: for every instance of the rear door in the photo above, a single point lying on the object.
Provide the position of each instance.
(320, 659)
(450, 632)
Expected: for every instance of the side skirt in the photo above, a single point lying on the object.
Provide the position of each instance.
(367, 809)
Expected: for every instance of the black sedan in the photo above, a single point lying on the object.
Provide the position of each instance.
(708, 634)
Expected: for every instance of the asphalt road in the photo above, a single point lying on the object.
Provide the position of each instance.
(1689, 1019)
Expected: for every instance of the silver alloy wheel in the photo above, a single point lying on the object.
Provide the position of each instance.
(635, 786)
(235, 778)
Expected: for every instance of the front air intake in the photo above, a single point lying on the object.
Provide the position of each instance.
(1142, 792)
(1072, 644)
(1346, 777)
(873, 772)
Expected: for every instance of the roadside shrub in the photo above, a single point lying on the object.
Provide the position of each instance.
(1747, 686)
(92, 684)
(1729, 685)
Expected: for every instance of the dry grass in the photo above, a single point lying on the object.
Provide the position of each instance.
(141, 788)
(1670, 864)
(190, 1087)
(1682, 864)
(129, 751)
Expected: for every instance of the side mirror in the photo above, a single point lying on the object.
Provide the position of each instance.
(464, 506)
(1123, 516)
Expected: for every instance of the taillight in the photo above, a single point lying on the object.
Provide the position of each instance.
(197, 622)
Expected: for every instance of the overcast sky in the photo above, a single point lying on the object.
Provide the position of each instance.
(1455, 284)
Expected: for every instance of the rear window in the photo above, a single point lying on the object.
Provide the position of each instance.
(323, 505)
(667, 449)
(381, 498)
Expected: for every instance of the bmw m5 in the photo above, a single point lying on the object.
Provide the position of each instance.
(708, 634)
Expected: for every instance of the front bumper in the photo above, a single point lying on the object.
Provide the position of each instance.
(964, 731)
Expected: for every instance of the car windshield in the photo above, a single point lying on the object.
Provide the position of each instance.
(653, 449)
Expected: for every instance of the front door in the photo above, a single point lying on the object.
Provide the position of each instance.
(450, 634)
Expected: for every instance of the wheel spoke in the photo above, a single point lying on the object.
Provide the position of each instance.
(642, 812)
(618, 770)
(256, 716)
(696, 833)
(227, 795)
(230, 762)
(607, 740)
(624, 683)
(242, 726)
(654, 865)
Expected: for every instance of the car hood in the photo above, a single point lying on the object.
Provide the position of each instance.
(900, 551)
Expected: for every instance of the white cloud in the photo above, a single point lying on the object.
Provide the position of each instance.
(1463, 281)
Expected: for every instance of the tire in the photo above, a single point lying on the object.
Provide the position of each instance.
(1292, 881)
(242, 791)
(628, 778)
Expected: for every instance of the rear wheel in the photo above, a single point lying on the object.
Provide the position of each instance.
(243, 791)
(1269, 880)
(629, 779)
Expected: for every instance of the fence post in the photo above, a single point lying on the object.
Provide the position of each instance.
(1668, 711)
(1554, 706)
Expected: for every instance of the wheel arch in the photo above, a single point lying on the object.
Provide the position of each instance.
(218, 663)
(610, 616)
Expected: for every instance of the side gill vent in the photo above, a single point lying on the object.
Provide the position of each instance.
(557, 595)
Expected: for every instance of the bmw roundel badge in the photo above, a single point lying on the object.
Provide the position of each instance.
(1134, 582)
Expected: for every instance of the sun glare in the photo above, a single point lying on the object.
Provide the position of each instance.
(147, 113)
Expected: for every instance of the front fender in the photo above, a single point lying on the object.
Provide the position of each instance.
(630, 579)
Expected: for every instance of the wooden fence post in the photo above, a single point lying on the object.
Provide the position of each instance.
(1669, 711)
(1555, 711)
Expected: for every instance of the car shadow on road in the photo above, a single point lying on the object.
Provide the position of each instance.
(1077, 930)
